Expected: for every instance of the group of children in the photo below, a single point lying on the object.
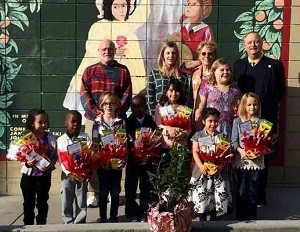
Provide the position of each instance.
(211, 193)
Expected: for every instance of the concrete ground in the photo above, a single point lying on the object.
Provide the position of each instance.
(283, 205)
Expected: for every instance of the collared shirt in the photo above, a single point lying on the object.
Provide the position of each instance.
(253, 62)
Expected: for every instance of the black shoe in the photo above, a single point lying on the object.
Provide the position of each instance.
(262, 203)
(113, 220)
(102, 220)
(202, 217)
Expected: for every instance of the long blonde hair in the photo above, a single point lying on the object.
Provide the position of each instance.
(161, 62)
(242, 113)
(217, 63)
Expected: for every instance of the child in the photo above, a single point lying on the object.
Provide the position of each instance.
(173, 96)
(135, 172)
(71, 189)
(211, 193)
(247, 170)
(220, 93)
(109, 179)
(35, 184)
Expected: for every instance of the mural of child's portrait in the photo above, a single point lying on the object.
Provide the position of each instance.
(193, 29)
(116, 9)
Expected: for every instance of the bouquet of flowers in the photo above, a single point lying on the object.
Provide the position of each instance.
(175, 117)
(256, 139)
(146, 145)
(81, 159)
(214, 152)
(114, 149)
(29, 148)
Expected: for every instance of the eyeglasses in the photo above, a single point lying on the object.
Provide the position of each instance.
(109, 104)
(207, 53)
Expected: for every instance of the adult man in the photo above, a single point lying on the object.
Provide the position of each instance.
(107, 75)
(265, 77)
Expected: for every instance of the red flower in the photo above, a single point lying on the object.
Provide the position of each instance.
(121, 40)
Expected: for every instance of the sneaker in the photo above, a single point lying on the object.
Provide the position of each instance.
(113, 220)
(92, 202)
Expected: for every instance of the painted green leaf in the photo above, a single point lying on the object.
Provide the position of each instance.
(273, 15)
(264, 30)
(16, 22)
(21, 16)
(246, 16)
(265, 5)
(271, 36)
(276, 50)
(3, 117)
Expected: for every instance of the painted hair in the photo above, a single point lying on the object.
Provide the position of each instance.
(217, 63)
(107, 12)
(177, 86)
(113, 96)
(242, 113)
(209, 111)
(209, 44)
(161, 62)
(31, 117)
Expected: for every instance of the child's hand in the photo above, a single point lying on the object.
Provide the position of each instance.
(121, 164)
(31, 163)
(203, 169)
(71, 177)
(243, 153)
(172, 132)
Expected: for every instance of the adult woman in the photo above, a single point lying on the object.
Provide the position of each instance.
(207, 53)
(158, 79)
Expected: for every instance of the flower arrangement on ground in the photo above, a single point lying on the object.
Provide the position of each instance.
(172, 212)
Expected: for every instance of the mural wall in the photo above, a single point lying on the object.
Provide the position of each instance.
(46, 44)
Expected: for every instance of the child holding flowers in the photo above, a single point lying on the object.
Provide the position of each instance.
(211, 193)
(37, 151)
(173, 116)
(108, 124)
(138, 122)
(248, 168)
(71, 186)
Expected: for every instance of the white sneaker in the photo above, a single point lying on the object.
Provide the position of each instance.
(92, 202)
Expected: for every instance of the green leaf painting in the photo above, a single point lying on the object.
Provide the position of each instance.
(12, 13)
(266, 18)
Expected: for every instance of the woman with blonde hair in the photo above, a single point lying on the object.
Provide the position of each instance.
(168, 68)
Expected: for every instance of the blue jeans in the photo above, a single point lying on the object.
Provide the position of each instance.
(247, 181)
(109, 182)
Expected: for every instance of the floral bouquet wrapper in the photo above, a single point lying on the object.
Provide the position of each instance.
(28, 148)
(80, 159)
(147, 145)
(215, 154)
(114, 149)
(176, 117)
(257, 141)
(164, 221)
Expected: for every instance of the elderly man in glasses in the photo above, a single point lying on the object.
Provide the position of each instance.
(107, 75)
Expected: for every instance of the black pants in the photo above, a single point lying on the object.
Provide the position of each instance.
(134, 174)
(35, 190)
(109, 182)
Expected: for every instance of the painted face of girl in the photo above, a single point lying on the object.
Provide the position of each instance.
(40, 124)
(193, 10)
(206, 56)
(172, 95)
(223, 74)
(119, 9)
(170, 56)
(251, 107)
(211, 123)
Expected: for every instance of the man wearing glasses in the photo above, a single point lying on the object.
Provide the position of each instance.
(107, 75)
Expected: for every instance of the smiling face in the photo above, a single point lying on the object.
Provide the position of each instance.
(223, 74)
(107, 51)
(206, 56)
(170, 56)
(253, 45)
(119, 10)
(211, 123)
(251, 107)
(193, 11)
(172, 95)
(40, 124)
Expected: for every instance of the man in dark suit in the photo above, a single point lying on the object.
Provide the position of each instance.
(265, 77)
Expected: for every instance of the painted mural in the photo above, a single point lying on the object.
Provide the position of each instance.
(43, 54)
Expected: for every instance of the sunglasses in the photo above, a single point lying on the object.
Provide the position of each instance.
(207, 53)
(109, 104)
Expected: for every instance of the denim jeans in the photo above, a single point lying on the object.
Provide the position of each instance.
(247, 181)
(109, 183)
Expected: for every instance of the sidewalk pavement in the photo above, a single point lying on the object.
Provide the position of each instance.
(283, 205)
